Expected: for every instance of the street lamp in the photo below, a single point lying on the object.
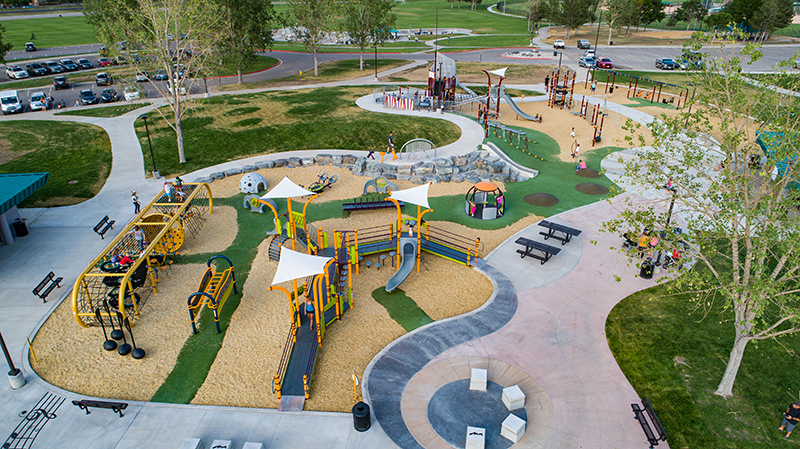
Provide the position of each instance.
(597, 37)
(375, 47)
(156, 175)
(560, 55)
(15, 376)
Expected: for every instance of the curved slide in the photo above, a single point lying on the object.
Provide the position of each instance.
(409, 253)
(514, 106)
(465, 88)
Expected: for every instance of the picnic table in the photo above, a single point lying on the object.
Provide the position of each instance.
(552, 228)
(546, 250)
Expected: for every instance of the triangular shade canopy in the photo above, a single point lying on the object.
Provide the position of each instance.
(499, 72)
(414, 195)
(286, 189)
(294, 265)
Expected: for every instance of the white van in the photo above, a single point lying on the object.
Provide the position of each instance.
(10, 102)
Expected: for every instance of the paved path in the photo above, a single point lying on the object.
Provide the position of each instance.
(556, 335)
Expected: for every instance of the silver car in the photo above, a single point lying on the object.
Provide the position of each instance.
(40, 102)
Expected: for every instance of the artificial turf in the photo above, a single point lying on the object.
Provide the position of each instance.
(401, 308)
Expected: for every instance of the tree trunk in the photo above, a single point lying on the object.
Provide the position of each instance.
(610, 28)
(316, 72)
(178, 127)
(239, 75)
(725, 387)
(361, 60)
(567, 35)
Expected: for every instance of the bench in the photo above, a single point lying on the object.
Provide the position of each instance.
(531, 245)
(552, 228)
(43, 289)
(103, 227)
(369, 204)
(117, 407)
(652, 437)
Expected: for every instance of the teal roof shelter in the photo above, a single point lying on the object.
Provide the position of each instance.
(15, 188)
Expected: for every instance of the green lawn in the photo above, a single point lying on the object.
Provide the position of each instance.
(231, 127)
(402, 309)
(787, 81)
(497, 41)
(49, 32)
(106, 111)
(68, 151)
(675, 357)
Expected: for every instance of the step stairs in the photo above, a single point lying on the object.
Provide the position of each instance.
(213, 284)
(275, 247)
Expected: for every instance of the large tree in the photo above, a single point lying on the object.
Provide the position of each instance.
(179, 37)
(535, 11)
(743, 12)
(4, 48)
(247, 29)
(368, 22)
(651, 11)
(313, 20)
(773, 15)
(692, 10)
(574, 13)
(615, 9)
(741, 237)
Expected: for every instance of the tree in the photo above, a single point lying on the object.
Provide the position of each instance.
(773, 15)
(743, 12)
(742, 229)
(4, 48)
(535, 11)
(313, 20)
(574, 13)
(368, 22)
(179, 37)
(615, 9)
(718, 20)
(651, 11)
(692, 10)
(247, 29)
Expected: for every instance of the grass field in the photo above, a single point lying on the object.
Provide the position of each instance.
(49, 32)
(77, 156)
(787, 81)
(230, 127)
(106, 111)
(675, 357)
(495, 41)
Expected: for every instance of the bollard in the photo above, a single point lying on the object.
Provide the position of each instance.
(361, 417)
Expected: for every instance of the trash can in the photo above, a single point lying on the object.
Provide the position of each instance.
(361, 417)
(19, 228)
(647, 269)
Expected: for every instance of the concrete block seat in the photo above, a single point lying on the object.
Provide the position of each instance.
(513, 397)
(513, 428)
(222, 444)
(191, 443)
(250, 445)
(476, 437)
(477, 380)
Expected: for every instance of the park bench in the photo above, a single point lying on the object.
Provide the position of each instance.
(369, 204)
(43, 289)
(103, 227)
(552, 228)
(531, 245)
(117, 407)
(652, 437)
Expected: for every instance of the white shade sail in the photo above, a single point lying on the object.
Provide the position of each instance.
(286, 189)
(499, 72)
(294, 265)
(414, 195)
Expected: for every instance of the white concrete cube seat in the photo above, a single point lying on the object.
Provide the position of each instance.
(513, 428)
(191, 443)
(513, 397)
(250, 445)
(477, 381)
(222, 444)
(476, 437)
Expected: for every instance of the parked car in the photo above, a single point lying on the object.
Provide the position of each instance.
(103, 79)
(60, 82)
(665, 64)
(131, 94)
(54, 67)
(604, 63)
(584, 44)
(16, 72)
(558, 44)
(87, 97)
(687, 64)
(69, 65)
(109, 95)
(119, 60)
(586, 61)
(589, 53)
(40, 102)
(796, 63)
(141, 77)
(29, 46)
(84, 63)
(181, 89)
(36, 69)
(161, 75)
(104, 62)
(178, 71)
(10, 102)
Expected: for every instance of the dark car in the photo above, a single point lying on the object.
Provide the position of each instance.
(30, 47)
(84, 63)
(665, 64)
(584, 44)
(87, 97)
(109, 95)
(103, 79)
(54, 67)
(60, 82)
(605, 63)
(36, 69)
(161, 75)
(69, 65)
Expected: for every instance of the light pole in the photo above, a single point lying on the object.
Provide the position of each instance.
(560, 55)
(15, 376)
(156, 175)
(375, 47)
(597, 37)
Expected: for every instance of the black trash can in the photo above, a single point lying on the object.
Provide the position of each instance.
(20, 229)
(647, 269)
(361, 417)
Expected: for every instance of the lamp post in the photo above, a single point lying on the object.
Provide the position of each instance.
(560, 55)
(156, 175)
(597, 37)
(15, 376)
(375, 47)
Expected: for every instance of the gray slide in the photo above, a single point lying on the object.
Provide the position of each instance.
(465, 88)
(409, 254)
(514, 106)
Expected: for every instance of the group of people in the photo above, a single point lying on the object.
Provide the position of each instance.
(178, 190)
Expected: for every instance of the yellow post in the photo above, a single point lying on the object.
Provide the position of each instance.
(399, 228)
(305, 385)
(419, 234)
(275, 212)
(291, 304)
(32, 353)
(477, 243)
(278, 386)
(355, 238)
(306, 207)
(355, 388)
(318, 314)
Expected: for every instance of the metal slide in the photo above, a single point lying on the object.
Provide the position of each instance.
(465, 88)
(514, 106)
(409, 255)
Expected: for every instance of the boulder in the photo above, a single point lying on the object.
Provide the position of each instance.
(279, 163)
(217, 176)
(405, 169)
(338, 159)
(265, 164)
(373, 165)
(349, 159)
(424, 169)
(459, 161)
(293, 162)
(388, 168)
(324, 159)
(233, 171)
(440, 161)
(416, 179)
(249, 168)
(306, 161)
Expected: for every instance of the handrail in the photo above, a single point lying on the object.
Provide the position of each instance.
(284, 363)
(312, 361)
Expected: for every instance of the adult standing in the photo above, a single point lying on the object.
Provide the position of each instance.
(546, 83)
(136, 204)
(390, 148)
(790, 418)
(138, 233)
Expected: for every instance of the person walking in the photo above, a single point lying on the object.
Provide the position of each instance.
(577, 150)
(138, 234)
(790, 419)
(136, 204)
(594, 86)
(546, 83)
(390, 148)
(310, 313)
(572, 133)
